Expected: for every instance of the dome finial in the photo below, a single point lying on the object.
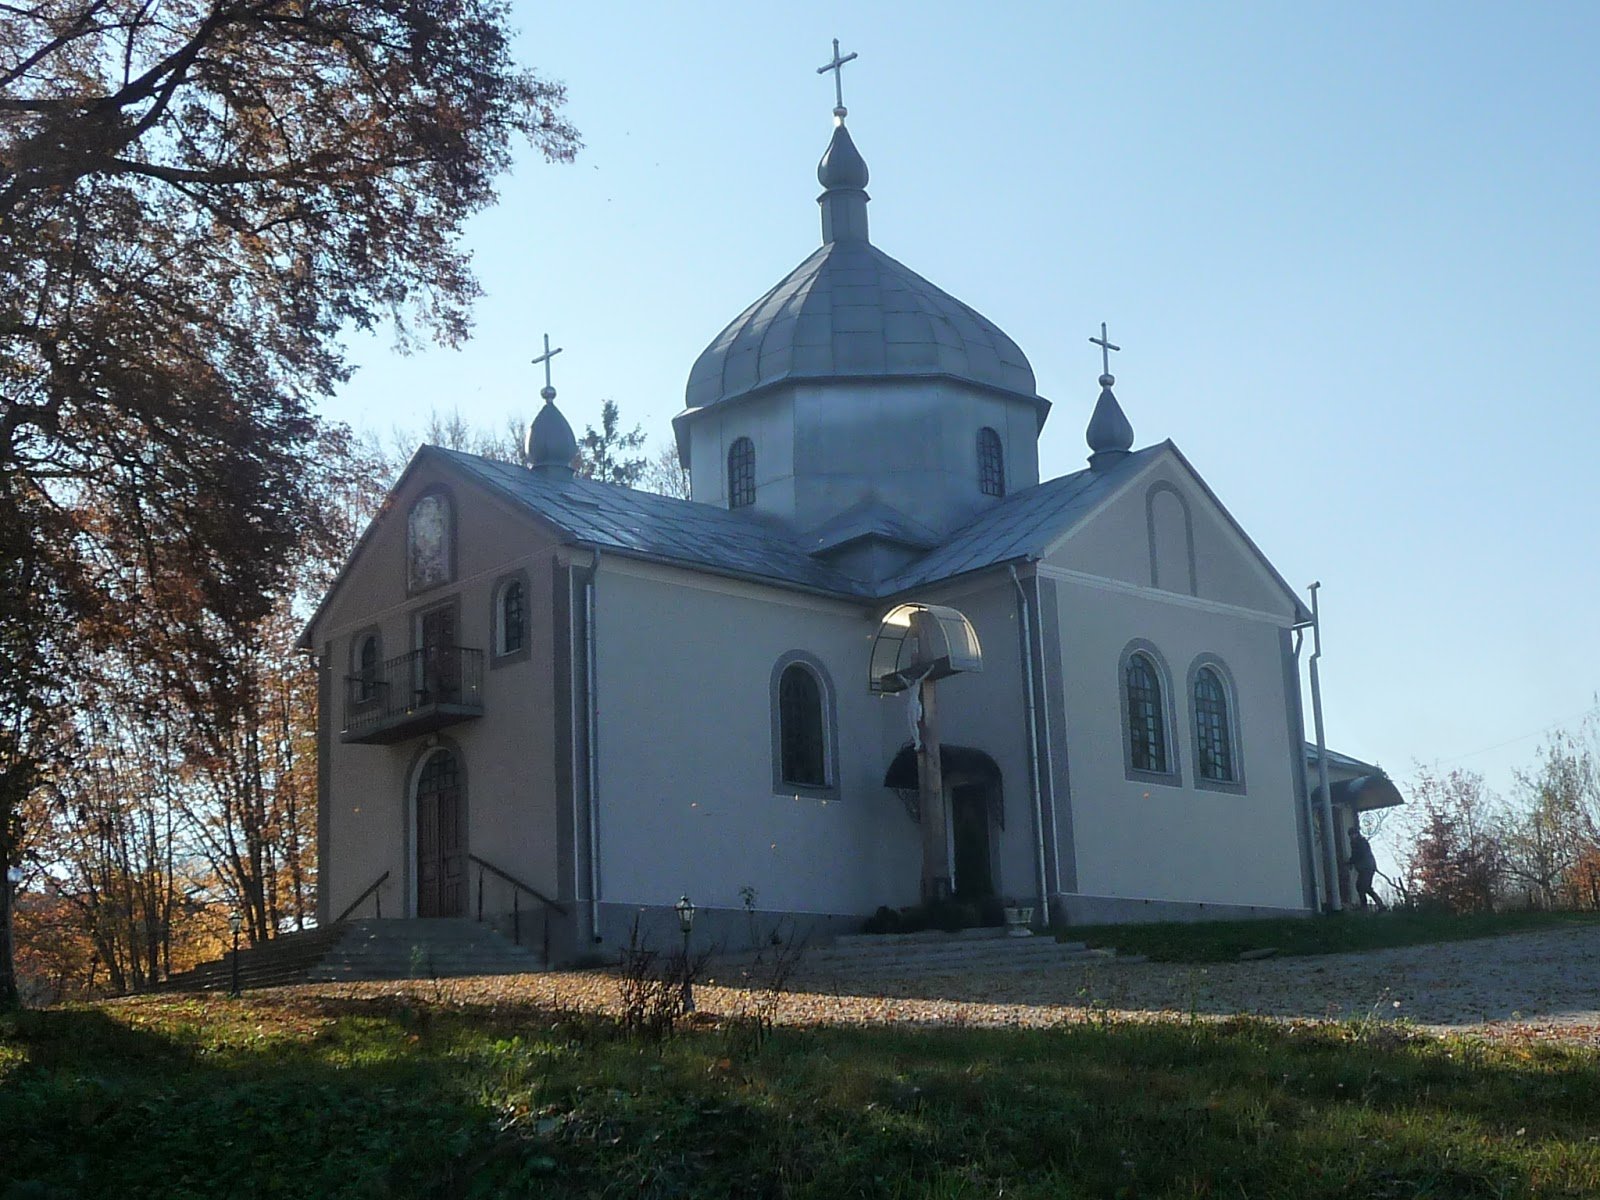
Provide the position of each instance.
(550, 446)
(842, 171)
(1110, 436)
(840, 112)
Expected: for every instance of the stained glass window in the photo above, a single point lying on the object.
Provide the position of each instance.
(741, 473)
(1211, 725)
(1147, 726)
(991, 463)
(800, 725)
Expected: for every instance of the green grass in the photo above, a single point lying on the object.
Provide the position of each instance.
(1222, 941)
(265, 1098)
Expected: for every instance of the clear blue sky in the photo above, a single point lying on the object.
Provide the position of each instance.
(1352, 253)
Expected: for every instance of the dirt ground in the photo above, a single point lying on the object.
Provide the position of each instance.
(1541, 985)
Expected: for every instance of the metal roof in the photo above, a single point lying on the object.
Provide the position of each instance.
(852, 312)
(706, 537)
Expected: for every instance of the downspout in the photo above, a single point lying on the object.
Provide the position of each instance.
(1033, 747)
(1330, 848)
(592, 715)
(577, 742)
(1305, 795)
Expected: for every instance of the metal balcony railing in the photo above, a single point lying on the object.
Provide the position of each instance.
(413, 694)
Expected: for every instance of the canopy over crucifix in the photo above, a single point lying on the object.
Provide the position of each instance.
(837, 67)
(548, 392)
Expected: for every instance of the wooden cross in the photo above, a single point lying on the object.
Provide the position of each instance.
(549, 392)
(837, 67)
(1105, 350)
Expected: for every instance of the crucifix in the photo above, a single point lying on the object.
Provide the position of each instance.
(548, 392)
(1105, 355)
(837, 67)
(918, 645)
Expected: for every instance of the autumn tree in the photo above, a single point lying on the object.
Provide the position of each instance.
(196, 198)
(1456, 857)
(665, 473)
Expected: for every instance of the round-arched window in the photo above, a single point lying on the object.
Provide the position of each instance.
(741, 473)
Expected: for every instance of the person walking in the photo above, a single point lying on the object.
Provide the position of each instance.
(1366, 866)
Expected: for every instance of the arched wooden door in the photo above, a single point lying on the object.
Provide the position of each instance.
(441, 839)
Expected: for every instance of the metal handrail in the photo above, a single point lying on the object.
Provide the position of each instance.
(367, 891)
(518, 887)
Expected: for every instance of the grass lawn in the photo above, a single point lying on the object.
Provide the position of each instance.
(281, 1096)
(1222, 941)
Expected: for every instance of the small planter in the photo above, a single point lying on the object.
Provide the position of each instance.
(1018, 920)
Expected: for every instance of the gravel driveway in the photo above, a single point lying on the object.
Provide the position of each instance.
(1543, 984)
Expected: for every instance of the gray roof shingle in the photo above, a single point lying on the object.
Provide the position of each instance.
(706, 537)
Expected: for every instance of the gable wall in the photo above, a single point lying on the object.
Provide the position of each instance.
(1142, 537)
(1177, 841)
(509, 754)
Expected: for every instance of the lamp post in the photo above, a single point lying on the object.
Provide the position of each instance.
(235, 922)
(685, 910)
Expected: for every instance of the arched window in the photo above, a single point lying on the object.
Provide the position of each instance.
(1147, 723)
(803, 749)
(513, 627)
(1219, 765)
(741, 473)
(991, 463)
(367, 663)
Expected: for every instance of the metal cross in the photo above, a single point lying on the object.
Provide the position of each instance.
(837, 67)
(1105, 350)
(545, 359)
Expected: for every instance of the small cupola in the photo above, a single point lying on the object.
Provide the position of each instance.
(551, 447)
(1110, 435)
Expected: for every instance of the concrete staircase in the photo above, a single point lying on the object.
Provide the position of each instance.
(367, 950)
(856, 958)
(422, 948)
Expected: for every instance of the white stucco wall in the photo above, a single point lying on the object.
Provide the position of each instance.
(821, 449)
(686, 801)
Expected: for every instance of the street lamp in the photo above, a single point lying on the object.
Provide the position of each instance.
(685, 910)
(235, 922)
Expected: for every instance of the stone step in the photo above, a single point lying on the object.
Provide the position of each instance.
(952, 951)
(934, 967)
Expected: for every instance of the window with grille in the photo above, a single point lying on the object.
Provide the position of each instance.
(1147, 726)
(512, 618)
(741, 473)
(1214, 737)
(803, 748)
(991, 463)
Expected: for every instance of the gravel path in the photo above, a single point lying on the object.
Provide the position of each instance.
(1544, 985)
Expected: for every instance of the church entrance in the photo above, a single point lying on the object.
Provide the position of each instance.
(441, 839)
(969, 833)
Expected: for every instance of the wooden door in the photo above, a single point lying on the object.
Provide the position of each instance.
(441, 839)
(440, 666)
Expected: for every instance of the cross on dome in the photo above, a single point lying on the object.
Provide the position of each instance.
(1106, 378)
(548, 392)
(837, 67)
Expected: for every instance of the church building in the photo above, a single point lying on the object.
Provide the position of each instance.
(561, 703)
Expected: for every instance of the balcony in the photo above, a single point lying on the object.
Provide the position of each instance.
(413, 694)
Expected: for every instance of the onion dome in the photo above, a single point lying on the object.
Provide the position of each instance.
(1110, 435)
(850, 312)
(551, 446)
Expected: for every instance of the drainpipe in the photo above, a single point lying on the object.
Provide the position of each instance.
(1330, 847)
(1307, 811)
(1033, 747)
(577, 742)
(591, 714)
